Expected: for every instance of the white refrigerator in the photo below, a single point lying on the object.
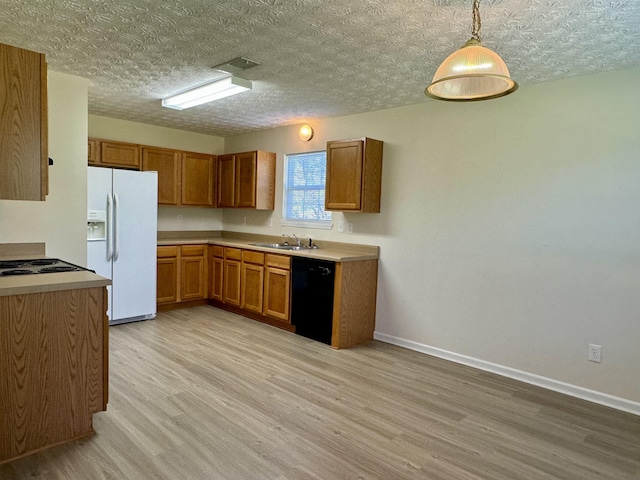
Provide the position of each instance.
(122, 221)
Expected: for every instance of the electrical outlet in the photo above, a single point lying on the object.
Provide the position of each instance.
(270, 223)
(179, 218)
(349, 227)
(244, 220)
(341, 226)
(595, 353)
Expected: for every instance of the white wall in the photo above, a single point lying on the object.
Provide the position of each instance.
(169, 218)
(60, 221)
(509, 229)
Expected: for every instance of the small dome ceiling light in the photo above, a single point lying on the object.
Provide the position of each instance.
(305, 133)
(473, 72)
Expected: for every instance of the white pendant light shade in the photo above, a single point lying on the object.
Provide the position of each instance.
(473, 72)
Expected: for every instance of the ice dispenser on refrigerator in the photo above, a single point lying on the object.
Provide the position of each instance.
(96, 225)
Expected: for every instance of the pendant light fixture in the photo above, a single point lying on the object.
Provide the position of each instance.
(473, 72)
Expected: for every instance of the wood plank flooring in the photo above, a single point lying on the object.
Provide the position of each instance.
(206, 394)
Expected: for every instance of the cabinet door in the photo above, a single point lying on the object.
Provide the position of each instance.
(193, 277)
(277, 285)
(231, 282)
(197, 179)
(118, 154)
(167, 164)
(93, 151)
(252, 285)
(344, 175)
(226, 180)
(167, 286)
(245, 189)
(24, 161)
(216, 267)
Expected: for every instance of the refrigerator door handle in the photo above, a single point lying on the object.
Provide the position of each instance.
(109, 227)
(116, 229)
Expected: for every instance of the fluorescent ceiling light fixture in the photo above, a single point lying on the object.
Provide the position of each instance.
(207, 93)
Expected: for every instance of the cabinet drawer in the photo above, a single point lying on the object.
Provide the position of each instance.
(232, 253)
(192, 250)
(168, 251)
(279, 261)
(249, 256)
(216, 250)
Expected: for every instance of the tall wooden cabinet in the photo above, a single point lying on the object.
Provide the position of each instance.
(247, 180)
(24, 160)
(354, 174)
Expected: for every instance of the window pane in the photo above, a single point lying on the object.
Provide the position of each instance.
(304, 187)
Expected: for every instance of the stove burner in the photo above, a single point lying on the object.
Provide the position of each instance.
(12, 263)
(44, 261)
(60, 268)
(20, 271)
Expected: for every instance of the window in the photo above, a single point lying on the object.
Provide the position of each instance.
(304, 182)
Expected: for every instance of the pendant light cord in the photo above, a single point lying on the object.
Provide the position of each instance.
(477, 23)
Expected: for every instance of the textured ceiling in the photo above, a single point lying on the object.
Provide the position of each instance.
(319, 58)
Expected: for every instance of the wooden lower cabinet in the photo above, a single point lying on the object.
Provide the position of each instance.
(53, 368)
(181, 274)
(167, 274)
(277, 287)
(193, 284)
(232, 276)
(252, 281)
(258, 285)
(216, 270)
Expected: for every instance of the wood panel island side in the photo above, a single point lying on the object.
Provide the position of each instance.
(53, 359)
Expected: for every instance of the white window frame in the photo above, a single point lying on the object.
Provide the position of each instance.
(320, 224)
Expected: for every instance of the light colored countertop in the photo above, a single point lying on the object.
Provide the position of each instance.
(50, 282)
(332, 251)
(47, 282)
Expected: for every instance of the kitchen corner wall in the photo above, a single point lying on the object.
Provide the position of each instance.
(169, 218)
(509, 231)
(60, 221)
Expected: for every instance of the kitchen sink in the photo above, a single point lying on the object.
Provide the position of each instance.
(280, 246)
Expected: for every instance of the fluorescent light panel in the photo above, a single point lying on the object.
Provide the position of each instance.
(207, 93)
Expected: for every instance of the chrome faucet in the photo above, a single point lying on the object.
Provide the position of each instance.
(293, 238)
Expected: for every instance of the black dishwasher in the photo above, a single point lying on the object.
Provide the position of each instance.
(312, 298)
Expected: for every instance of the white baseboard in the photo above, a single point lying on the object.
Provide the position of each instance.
(544, 382)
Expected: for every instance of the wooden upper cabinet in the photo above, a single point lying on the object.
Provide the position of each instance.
(247, 180)
(246, 171)
(24, 160)
(184, 178)
(119, 155)
(226, 181)
(167, 163)
(354, 174)
(198, 179)
(93, 151)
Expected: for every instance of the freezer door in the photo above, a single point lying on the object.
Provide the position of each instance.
(135, 225)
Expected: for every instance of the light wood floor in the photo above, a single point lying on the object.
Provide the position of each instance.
(205, 394)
